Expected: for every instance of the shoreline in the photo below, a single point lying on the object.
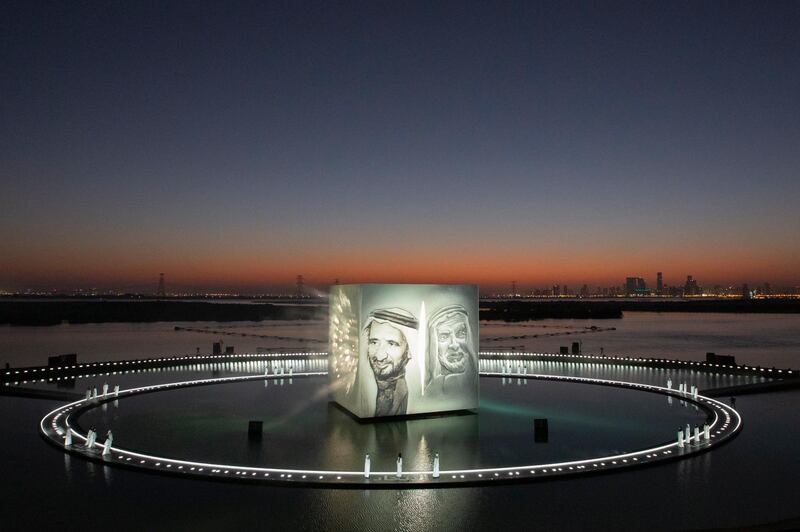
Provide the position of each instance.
(48, 312)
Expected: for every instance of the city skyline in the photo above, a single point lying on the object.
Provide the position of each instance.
(234, 147)
(642, 286)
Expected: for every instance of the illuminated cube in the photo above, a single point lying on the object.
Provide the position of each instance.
(402, 349)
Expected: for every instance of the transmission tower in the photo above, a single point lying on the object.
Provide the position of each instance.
(300, 289)
(162, 292)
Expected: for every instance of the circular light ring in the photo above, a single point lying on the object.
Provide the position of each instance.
(54, 426)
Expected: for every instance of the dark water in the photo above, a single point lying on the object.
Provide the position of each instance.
(757, 339)
(766, 340)
(748, 481)
(303, 431)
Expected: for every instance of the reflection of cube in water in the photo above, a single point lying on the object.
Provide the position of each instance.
(540, 430)
(398, 349)
(255, 429)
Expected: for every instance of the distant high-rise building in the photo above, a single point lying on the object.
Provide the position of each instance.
(746, 292)
(556, 290)
(300, 290)
(162, 290)
(659, 283)
(635, 286)
(691, 288)
(585, 290)
(630, 285)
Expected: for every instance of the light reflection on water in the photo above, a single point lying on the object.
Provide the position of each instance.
(751, 480)
(209, 423)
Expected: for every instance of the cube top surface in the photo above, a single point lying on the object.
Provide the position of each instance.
(403, 349)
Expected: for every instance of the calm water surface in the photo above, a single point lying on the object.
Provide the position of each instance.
(302, 430)
(748, 481)
(758, 339)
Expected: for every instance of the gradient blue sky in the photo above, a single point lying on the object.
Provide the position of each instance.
(235, 145)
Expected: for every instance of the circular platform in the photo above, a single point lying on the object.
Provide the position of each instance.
(724, 422)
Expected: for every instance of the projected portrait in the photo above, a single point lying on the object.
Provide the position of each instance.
(388, 353)
(451, 358)
(399, 349)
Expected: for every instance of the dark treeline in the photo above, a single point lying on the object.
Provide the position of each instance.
(540, 310)
(744, 306)
(522, 310)
(55, 312)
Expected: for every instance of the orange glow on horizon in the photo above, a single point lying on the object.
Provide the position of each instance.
(246, 269)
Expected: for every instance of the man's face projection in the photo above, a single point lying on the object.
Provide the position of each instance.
(453, 344)
(387, 350)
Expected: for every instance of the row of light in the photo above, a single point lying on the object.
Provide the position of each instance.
(141, 370)
(169, 359)
(316, 354)
(323, 353)
(390, 477)
(632, 359)
(126, 371)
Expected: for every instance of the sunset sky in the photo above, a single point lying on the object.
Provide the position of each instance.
(237, 145)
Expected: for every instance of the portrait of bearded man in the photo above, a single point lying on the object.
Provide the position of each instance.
(388, 337)
(451, 362)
